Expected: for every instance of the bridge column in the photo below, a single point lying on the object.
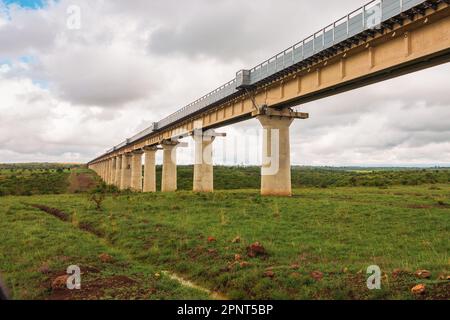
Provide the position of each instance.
(105, 171)
(102, 170)
(125, 180)
(113, 170)
(110, 171)
(203, 166)
(276, 166)
(122, 168)
(169, 172)
(136, 170)
(118, 171)
(150, 169)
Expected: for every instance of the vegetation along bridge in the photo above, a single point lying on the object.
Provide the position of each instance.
(382, 40)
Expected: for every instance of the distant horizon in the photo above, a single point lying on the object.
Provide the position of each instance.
(371, 166)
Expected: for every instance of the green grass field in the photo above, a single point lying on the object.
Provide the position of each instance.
(318, 244)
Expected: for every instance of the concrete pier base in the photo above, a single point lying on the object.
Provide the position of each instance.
(118, 171)
(276, 167)
(104, 171)
(150, 169)
(136, 171)
(125, 180)
(108, 170)
(113, 171)
(169, 172)
(203, 166)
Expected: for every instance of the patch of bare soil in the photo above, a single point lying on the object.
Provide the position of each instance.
(80, 182)
(61, 215)
(95, 289)
(424, 206)
(52, 211)
(86, 226)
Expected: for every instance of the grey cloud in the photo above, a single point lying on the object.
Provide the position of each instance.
(28, 33)
(100, 76)
(250, 31)
(367, 126)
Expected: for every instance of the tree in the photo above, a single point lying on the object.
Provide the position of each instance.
(98, 195)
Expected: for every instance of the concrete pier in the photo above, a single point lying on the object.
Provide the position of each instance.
(150, 169)
(136, 170)
(276, 167)
(169, 174)
(109, 170)
(113, 171)
(118, 171)
(125, 180)
(203, 166)
(276, 149)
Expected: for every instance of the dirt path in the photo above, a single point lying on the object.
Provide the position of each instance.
(80, 182)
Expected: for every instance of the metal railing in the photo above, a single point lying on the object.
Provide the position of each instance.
(341, 30)
(352, 24)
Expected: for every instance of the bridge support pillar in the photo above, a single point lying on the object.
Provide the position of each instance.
(103, 175)
(105, 171)
(136, 170)
(123, 163)
(203, 166)
(108, 170)
(276, 166)
(125, 179)
(111, 171)
(276, 155)
(117, 171)
(150, 169)
(169, 172)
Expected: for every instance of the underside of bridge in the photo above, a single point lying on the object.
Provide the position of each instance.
(410, 41)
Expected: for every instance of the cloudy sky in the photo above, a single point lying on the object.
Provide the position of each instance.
(68, 95)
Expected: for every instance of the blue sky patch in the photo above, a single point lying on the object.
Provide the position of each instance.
(32, 4)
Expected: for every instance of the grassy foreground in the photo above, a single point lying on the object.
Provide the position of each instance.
(317, 244)
(36, 248)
